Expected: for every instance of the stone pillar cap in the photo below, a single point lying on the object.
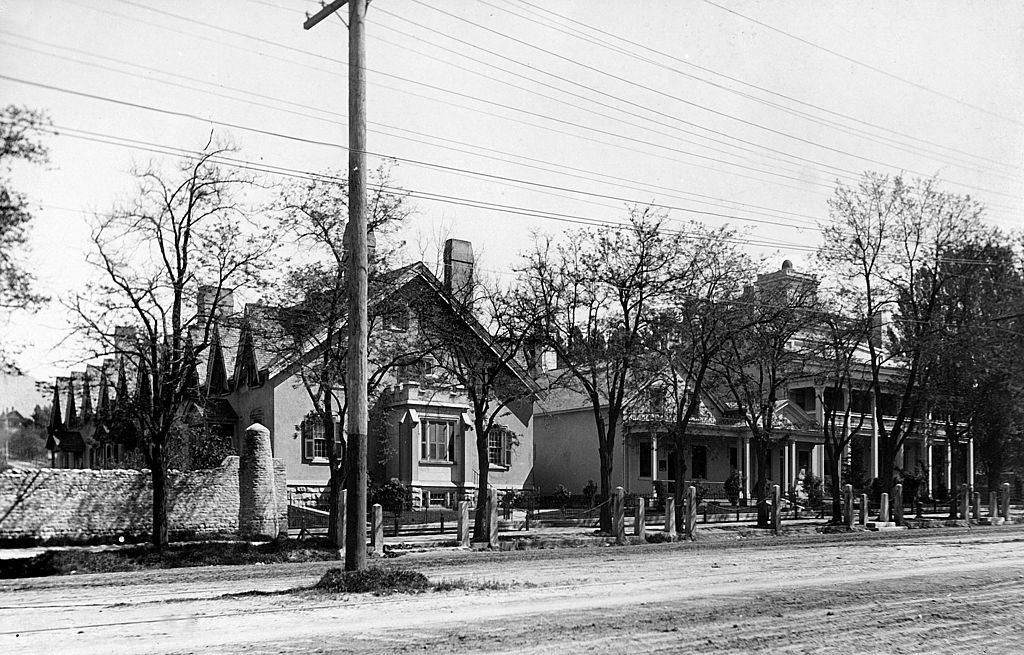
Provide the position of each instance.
(258, 427)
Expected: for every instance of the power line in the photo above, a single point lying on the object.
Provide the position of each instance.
(685, 101)
(875, 69)
(423, 195)
(711, 71)
(476, 99)
(282, 135)
(471, 97)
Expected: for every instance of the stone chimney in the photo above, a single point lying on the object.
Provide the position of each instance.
(208, 300)
(458, 269)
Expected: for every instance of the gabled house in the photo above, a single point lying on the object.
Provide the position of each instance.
(423, 436)
(721, 442)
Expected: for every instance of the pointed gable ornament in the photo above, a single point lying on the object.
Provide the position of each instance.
(71, 422)
(56, 422)
(87, 413)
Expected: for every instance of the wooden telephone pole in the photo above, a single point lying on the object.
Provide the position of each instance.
(355, 380)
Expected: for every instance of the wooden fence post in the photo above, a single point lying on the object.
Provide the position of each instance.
(492, 532)
(1006, 502)
(670, 518)
(377, 529)
(776, 509)
(640, 524)
(464, 523)
(848, 505)
(619, 515)
(691, 512)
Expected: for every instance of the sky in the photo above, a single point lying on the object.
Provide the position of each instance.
(507, 118)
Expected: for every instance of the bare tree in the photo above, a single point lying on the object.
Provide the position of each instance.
(757, 364)
(840, 344)
(184, 228)
(313, 311)
(19, 141)
(484, 359)
(884, 235)
(593, 297)
(693, 325)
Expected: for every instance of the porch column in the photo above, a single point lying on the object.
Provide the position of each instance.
(784, 473)
(793, 470)
(970, 462)
(819, 461)
(931, 473)
(819, 405)
(654, 459)
(747, 469)
(949, 468)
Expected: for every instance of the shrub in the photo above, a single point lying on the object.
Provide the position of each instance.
(813, 487)
(562, 495)
(733, 484)
(373, 580)
(392, 496)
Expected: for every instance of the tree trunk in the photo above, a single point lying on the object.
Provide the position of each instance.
(952, 454)
(680, 492)
(481, 529)
(887, 464)
(606, 488)
(833, 463)
(762, 447)
(335, 519)
(159, 473)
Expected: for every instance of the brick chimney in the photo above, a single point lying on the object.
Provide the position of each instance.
(458, 269)
(207, 300)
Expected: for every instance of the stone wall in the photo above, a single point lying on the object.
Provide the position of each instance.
(82, 505)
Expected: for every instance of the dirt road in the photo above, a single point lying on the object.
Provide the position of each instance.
(916, 592)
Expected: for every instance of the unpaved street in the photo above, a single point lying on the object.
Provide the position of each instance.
(916, 592)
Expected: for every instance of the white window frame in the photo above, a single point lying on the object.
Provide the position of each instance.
(499, 447)
(312, 432)
(429, 450)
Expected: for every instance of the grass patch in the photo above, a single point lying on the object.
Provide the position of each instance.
(381, 581)
(373, 580)
(140, 558)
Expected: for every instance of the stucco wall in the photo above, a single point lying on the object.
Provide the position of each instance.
(566, 452)
(78, 505)
(291, 405)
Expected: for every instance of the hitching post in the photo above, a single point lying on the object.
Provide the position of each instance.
(776, 509)
(670, 518)
(691, 512)
(976, 505)
(492, 510)
(897, 504)
(619, 515)
(965, 493)
(464, 523)
(883, 509)
(863, 509)
(848, 505)
(1006, 502)
(640, 524)
(377, 535)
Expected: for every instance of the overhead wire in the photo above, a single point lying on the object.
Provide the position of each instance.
(870, 67)
(717, 73)
(479, 100)
(416, 82)
(682, 100)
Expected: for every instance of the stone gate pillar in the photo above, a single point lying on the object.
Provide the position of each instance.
(258, 514)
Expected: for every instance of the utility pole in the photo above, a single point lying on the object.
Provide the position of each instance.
(355, 381)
